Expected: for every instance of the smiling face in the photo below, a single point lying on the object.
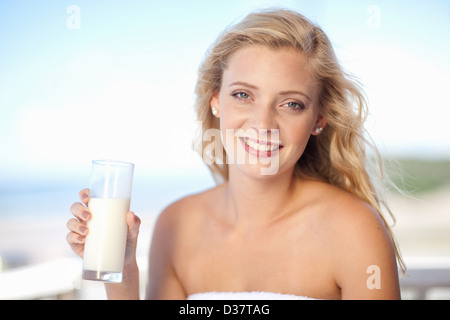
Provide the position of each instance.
(269, 102)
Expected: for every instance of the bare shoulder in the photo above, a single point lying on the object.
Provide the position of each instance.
(183, 213)
(358, 242)
(172, 241)
(340, 207)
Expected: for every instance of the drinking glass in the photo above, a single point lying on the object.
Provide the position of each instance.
(110, 194)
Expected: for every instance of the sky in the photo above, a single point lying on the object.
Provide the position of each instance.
(84, 80)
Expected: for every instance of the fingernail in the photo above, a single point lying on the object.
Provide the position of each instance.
(83, 230)
(86, 215)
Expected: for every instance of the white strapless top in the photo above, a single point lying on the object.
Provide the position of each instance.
(253, 295)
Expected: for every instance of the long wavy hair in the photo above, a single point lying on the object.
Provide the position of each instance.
(338, 155)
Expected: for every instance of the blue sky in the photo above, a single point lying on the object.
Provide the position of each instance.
(121, 85)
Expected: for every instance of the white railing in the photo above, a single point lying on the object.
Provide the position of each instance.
(425, 275)
(51, 279)
(56, 279)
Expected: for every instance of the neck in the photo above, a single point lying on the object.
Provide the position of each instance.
(258, 201)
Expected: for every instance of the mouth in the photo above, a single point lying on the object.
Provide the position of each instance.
(261, 148)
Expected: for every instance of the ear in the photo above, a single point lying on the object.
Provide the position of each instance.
(214, 104)
(319, 126)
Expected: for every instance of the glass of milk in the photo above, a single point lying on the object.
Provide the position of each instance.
(110, 194)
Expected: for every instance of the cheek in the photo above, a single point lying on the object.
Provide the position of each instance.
(232, 118)
(295, 140)
(297, 133)
(228, 126)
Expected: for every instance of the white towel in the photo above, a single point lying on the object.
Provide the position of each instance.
(253, 295)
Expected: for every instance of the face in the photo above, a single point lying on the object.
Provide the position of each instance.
(268, 109)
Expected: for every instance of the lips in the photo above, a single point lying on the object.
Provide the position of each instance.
(261, 148)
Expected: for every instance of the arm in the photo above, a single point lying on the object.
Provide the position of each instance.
(365, 262)
(129, 288)
(163, 280)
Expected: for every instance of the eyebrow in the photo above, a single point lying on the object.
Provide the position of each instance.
(241, 83)
(295, 92)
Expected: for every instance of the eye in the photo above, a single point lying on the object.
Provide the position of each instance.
(241, 95)
(295, 106)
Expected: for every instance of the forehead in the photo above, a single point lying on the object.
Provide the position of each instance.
(261, 65)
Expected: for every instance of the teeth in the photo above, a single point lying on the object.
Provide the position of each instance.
(261, 147)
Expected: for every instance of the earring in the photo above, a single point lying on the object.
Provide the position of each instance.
(214, 111)
(319, 130)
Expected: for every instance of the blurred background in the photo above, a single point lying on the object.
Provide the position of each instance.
(83, 80)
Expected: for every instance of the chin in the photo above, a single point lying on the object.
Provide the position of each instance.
(258, 172)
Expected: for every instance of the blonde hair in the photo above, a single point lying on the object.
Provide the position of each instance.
(338, 154)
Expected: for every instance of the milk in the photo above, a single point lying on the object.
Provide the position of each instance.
(104, 249)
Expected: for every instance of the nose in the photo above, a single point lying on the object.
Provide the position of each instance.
(263, 117)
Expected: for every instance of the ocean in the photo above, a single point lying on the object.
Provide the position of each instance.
(52, 198)
(34, 212)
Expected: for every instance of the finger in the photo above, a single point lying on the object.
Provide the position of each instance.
(74, 238)
(133, 220)
(80, 211)
(78, 227)
(78, 248)
(133, 223)
(84, 196)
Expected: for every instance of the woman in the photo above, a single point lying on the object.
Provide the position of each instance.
(296, 214)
